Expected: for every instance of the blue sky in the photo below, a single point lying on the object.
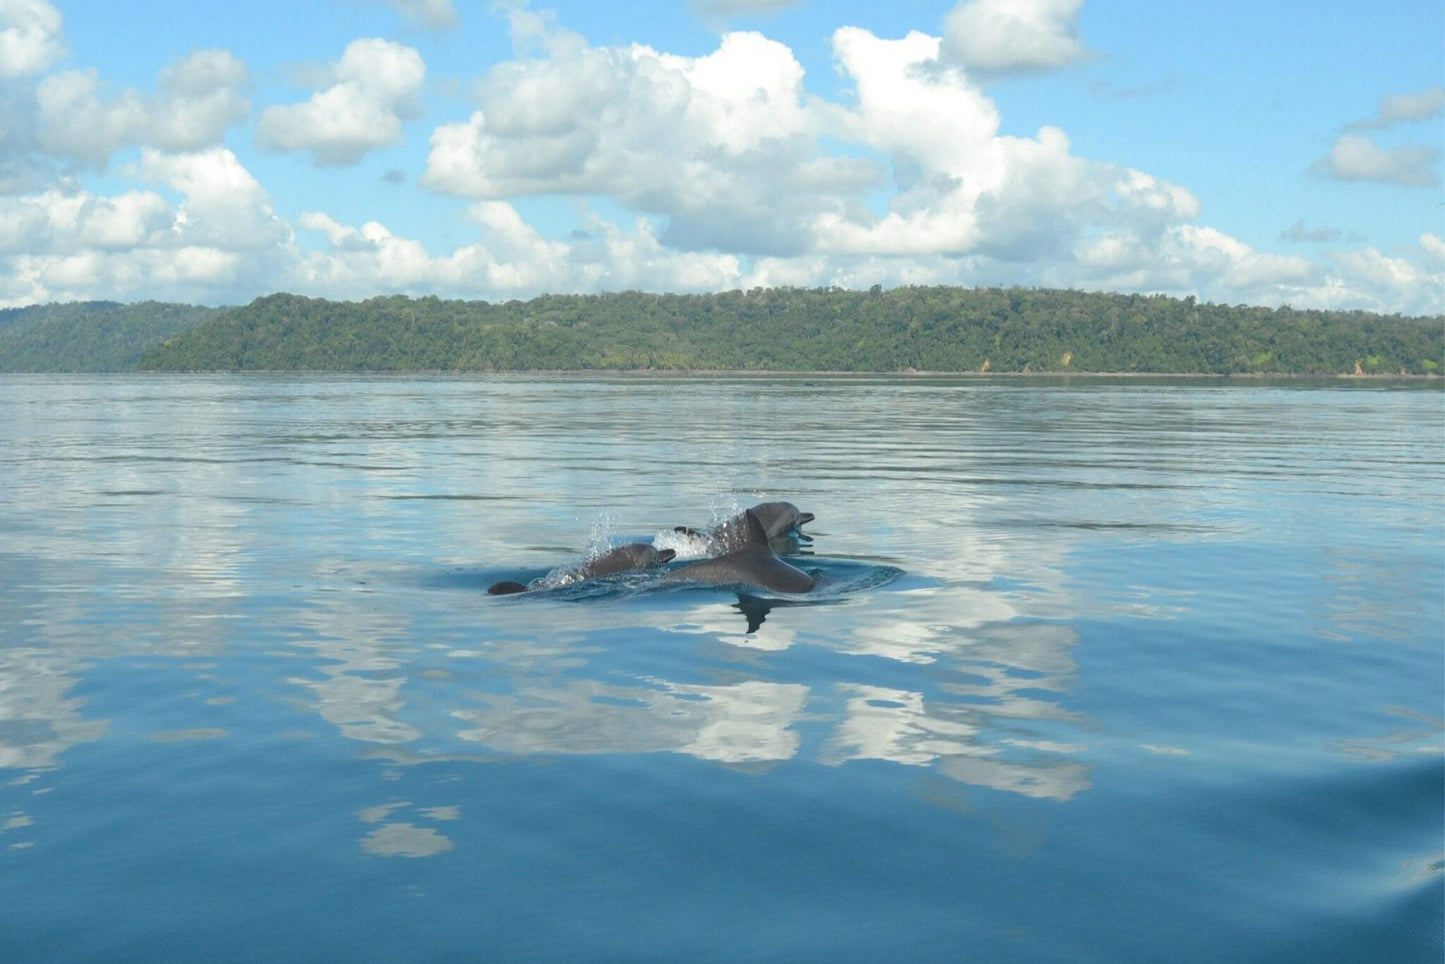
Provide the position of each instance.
(1261, 153)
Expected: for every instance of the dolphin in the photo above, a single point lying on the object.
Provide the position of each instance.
(634, 555)
(777, 519)
(752, 563)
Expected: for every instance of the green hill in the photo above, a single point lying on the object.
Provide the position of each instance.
(920, 329)
(91, 336)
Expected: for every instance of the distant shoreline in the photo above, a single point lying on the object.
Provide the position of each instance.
(779, 373)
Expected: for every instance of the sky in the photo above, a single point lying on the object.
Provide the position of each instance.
(211, 153)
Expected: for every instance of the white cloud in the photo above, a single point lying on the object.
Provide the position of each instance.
(57, 222)
(509, 258)
(1405, 108)
(376, 85)
(200, 97)
(59, 244)
(964, 189)
(723, 146)
(1371, 280)
(1355, 157)
(123, 222)
(30, 37)
(1300, 232)
(1434, 247)
(714, 172)
(223, 206)
(1014, 36)
(715, 10)
(432, 14)
(727, 148)
(73, 121)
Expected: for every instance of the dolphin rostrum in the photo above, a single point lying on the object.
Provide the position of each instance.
(752, 563)
(634, 555)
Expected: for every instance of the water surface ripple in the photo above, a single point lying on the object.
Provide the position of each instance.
(1102, 670)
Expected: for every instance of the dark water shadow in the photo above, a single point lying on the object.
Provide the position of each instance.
(837, 579)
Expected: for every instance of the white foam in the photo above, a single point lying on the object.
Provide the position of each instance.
(687, 545)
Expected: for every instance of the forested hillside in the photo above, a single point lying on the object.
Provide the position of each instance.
(91, 336)
(922, 329)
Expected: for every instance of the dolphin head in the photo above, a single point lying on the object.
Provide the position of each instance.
(780, 517)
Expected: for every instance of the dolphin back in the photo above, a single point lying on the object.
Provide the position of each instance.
(626, 558)
(754, 564)
(634, 555)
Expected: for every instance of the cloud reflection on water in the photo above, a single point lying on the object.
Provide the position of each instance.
(284, 524)
(561, 697)
(39, 721)
(398, 838)
(745, 722)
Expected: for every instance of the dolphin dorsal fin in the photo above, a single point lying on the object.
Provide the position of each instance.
(753, 531)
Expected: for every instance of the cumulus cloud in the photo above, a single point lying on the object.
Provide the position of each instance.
(1370, 279)
(1013, 36)
(55, 221)
(220, 233)
(223, 205)
(1184, 258)
(374, 88)
(962, 187)
(1355, 157)
(200, 96)
(509, 258)
(73, 121)
(31, 37)
(725, 154)
(722, 145)
(727, 148)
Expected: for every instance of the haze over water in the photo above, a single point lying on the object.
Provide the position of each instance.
(1098, 670)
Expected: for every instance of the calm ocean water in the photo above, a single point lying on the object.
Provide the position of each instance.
(1097, 671)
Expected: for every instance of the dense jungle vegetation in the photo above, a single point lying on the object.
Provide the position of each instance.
(940, 329)
(789, 329)
(90, 336)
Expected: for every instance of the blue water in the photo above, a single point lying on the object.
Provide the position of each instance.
(1098, 671)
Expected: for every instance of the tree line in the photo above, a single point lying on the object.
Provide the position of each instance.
(941, 329)
(90, 336)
